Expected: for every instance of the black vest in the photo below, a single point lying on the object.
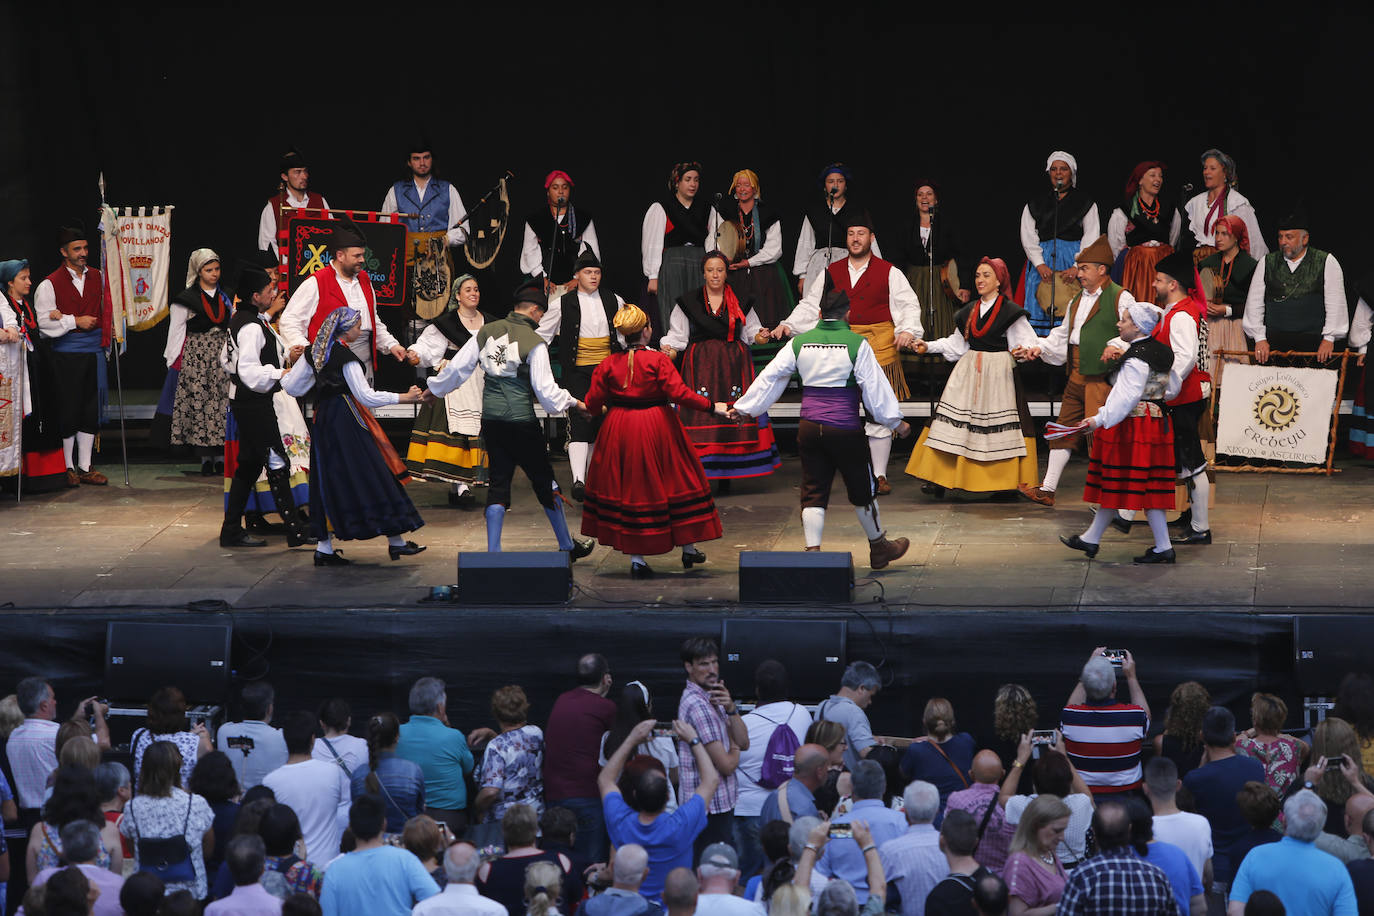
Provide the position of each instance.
(454, 331)
(1152, 352)
(946, 243)
(995, 340)
(1073, 208)
(565, 237)
(728, 210)
(1144, 230)
(267, 356)
(702, 325)
(688, 224)
(570, 325)
(194, 299)
(1238, 286)
(330, 381)
(830, 228)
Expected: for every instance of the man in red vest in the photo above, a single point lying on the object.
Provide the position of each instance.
(883, 308)
(342, 282)
(294, 195)
(73, 313)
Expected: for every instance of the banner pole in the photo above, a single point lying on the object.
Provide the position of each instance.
(119, 375)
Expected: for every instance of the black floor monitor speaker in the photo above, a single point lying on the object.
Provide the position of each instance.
(142, 657)
(1327, 647)
(530, 577)
(812, 651)
(796, 577)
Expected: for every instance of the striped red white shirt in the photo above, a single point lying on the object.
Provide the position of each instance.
(1103, 742)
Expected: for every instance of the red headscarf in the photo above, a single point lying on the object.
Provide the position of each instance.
(1004, 291)
(1236, 226)
(1137, 173)
(999, 267)
(557, 173)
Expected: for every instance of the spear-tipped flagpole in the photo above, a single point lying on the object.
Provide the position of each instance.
(119, 378)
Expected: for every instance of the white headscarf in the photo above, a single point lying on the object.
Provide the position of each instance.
(1064, 157)
(1144, 316)
(199, 258)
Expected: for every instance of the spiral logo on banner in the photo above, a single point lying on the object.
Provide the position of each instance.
(1277, 408)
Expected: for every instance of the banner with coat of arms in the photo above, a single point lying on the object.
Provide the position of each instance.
(137, 261)
(1276, 413)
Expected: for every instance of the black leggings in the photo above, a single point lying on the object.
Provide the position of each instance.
(511, 445)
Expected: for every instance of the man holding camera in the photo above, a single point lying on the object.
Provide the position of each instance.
(1101, 734)
(707, 706)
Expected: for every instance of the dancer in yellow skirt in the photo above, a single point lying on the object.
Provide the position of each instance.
(980, 437)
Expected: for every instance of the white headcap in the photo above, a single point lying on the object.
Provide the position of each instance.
(1064, 157)
(1144, 316)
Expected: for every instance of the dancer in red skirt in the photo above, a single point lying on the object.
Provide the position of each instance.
(646, 491)
(1131, 465)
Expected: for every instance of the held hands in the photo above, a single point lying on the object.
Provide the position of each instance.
(723, 410)
(1025, 354)
(413, 396)
(667, 351)
(412, 357)
(903, 430)
(762, 337)
(781, 331)
(906, 341)
(920, 346)
(582, 410)
(1112, 353)
(293, 354)
(399, 352)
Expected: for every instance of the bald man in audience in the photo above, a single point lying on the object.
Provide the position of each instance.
(810, 767)
(680, 891)
(1352, 847)
(987, 774)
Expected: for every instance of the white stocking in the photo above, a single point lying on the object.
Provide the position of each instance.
(1159, 527)
(68, 446)
(1101, 519)
(813, 525)
(1200, 491)
(1059, 459)
(578, 455)
(84, 443)
(868, 520)
(879, 450)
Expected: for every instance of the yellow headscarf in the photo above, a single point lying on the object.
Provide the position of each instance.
(630, 320)
(750, 175)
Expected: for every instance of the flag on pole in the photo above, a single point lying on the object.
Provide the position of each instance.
(136, 252)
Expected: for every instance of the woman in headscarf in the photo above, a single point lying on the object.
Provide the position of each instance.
(932, 238)
(1220, 197)
(711, 327)
(980, 437)
(646, 491)
(755, 234)
(446, 440)
(1056, 224)
(356, 488)
(24, 356)
(1226, 276)
(1143, 230)
(198, 330)
(672, 240)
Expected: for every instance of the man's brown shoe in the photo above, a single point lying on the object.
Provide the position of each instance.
(1036, 494)
(93, 477)
(884, 488)
(882, 551)
(73, 478)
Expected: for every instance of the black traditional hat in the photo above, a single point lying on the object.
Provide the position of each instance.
(292, 159)
(1178, 265)
(75, 232)
(858, 216)
(586, 259)
(346, 234)
(419, 143)
(531, 291)
(263, 259)
(252, 280)
(1296, 218)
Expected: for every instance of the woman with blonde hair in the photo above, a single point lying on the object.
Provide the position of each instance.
(1035, 876)
(1013, 714)
(543, 889)
(790, 900)
(1283, 755)
(943, 757)
(1181, 740)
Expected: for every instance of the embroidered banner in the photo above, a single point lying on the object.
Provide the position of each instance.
(1276, 413)
(136, 252)
(307, 250)
(13, 402)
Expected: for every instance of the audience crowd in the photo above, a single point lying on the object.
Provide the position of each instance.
(714, 810)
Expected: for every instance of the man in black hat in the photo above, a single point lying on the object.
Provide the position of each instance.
(293, 195)
(256, 367)
(435, 203)
(515, 360)
(1297, 297)
(584, 321)
(342, 282)
(553, 235)
(70, 305)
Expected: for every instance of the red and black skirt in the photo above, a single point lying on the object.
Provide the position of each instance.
(1131, 465)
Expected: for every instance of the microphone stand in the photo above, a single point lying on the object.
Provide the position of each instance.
(559, 207)
(1054, 251)
(829, 224)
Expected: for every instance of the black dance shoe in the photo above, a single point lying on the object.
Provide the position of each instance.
(691, 558)
(1150, 556)
(933, 489)
(1185, 519)
(1121, 524)
(408, 549)
(1193, 537)
(1077, 543)
(240, 538)
(641, 571)
(330, 559)
(465, 500)
(581, 547)
(579, 490)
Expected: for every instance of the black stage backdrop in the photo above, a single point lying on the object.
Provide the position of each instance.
(193, 105)
(371, 656)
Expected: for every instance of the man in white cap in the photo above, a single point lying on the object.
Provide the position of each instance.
(1055, 226)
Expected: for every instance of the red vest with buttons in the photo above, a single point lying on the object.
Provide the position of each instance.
(332, 297)
(868, 302)
(1185, 310)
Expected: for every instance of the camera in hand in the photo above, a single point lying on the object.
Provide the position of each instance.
(1334, 764)
(1116, 656)
(662, 732)
(240, 743)
(841, 831)
(1042, 737)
